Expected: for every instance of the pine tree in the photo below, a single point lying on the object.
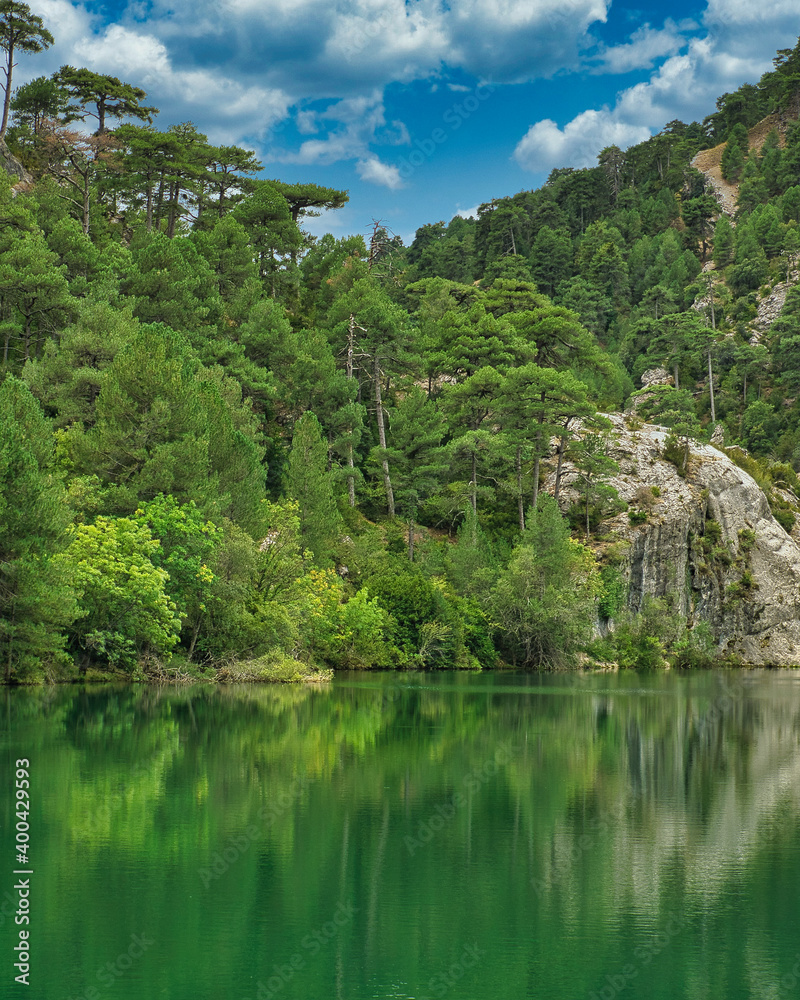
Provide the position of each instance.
(20, 31)
(416, 455)
(310, 483)
(37, 601)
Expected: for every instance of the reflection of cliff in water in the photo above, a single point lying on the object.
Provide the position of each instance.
(694, 800)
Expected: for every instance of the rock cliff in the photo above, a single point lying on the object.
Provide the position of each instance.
(708, 542)
(12, 166)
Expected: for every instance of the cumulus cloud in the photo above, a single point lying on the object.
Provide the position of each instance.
(738, 45)
(516, 40)
(241, 66)
(375, 171)
(647, 45)
(354, 125)
(227, 108)
(545, 145)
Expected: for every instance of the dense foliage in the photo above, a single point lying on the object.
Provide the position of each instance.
(224, 440)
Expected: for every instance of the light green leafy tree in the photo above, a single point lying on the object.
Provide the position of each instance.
(186, 550)
(126, 613)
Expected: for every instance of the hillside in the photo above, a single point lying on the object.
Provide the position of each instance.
(230, 450)
(709, 161)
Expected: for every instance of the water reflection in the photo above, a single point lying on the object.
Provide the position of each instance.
(410, 836)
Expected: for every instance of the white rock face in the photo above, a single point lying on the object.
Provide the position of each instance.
(696, 545)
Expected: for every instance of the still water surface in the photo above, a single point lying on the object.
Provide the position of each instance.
(412, 836)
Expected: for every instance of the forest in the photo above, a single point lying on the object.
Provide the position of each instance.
(230, 449)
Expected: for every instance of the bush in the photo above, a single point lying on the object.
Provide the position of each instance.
(273, 668)
(612, 593)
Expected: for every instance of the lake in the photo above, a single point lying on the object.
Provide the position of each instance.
(493, 836)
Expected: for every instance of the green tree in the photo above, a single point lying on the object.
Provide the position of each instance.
(166, 425)
(416, 455)
(109, 96)
(539, 404)
(471, 340)
(593, 464)
(173, 284)
(125, 613)
(20, 31)
(226, 249)
(471, 407)
(551, 258)
(224, 175)
(147, 157)
(735, 152)
(723, 242)
(33, 291)
(373, 335)
(34, 103)
(544, 600)
(310, 483)
(305, 200)
(187, 549)
(274, 235)
(67, 377)
(37, 601)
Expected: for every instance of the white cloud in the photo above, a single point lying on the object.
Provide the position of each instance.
(745, 12)
(122, 52)
(737, 47)
(545, 145)
(237, 67)
(646, 46)
(516, 40)
(307, 123)
(376, 172)
(468, 213)
(225, 108)
(358, 123)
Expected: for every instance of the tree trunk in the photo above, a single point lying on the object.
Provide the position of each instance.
(85, 218)
(195, 635)
(587, 510)
(149, 207)
(173, 210)
(160, 198)
(387, 481)
(520, 498)
(562, 446)
(537, 461)
(411, 539)
(351, 477)
(474, 484)
(7, 99)
(711, 389)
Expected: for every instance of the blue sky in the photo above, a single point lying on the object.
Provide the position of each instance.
(421, 108)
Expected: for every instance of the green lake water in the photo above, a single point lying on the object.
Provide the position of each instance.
(497, 836)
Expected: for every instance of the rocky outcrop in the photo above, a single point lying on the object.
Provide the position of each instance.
(12, 166)
(770, 306)
(708, 162)
(708, 542)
